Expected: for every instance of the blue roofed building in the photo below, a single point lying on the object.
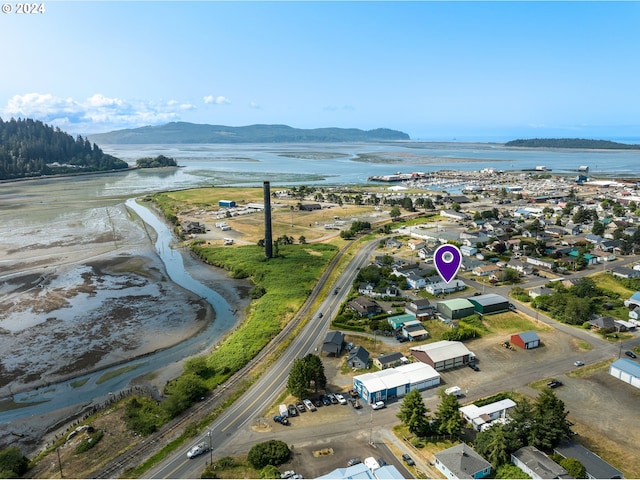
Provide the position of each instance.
(362, 471)
(626, 370)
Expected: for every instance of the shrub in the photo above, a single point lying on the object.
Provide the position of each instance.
(89, 442)
(272, 452)
(144, 416)
(12, 463)
(269, 472)
(226, 462)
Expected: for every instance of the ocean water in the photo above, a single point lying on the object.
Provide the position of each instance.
(352, 163)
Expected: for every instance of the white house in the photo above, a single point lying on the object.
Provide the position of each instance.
(442, 287)
(479, 416)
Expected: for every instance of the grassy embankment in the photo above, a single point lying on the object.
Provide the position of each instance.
(286, 282)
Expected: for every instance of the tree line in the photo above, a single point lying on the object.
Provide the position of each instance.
(30, 148)
(570, 143)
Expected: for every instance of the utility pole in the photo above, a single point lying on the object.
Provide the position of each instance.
(59, 462)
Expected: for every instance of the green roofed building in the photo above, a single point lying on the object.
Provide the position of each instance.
(489, 303)
(397, 321)
(455, 308)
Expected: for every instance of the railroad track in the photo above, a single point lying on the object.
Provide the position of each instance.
(157, 440)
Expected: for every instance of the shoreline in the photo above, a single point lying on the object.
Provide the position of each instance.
(91, 275)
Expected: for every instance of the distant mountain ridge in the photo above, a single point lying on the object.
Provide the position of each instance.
(571, 143)
(184, 132)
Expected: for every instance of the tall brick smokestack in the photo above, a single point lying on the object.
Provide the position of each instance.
(268, 240)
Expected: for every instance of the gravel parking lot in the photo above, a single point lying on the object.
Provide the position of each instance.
(601, 407)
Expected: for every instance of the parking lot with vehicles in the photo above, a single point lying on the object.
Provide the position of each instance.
(589, 394)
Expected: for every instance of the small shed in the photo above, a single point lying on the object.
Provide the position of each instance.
(226, 203)
(489, 303)
(526, 340)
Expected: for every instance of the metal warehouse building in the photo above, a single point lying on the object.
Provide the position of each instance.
(455, 308)
(442, 355)
(627, 371)
(395, 382)
(489, 303)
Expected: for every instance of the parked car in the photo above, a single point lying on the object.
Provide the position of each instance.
(578, 363)
(407, 459)
(293, 411)
(554, 383)
(198, 449)
(629, 353)
(382, 462)
(353, 461)
(317, 402)
(332, 398)
(281, 419)
(309, 404)
(287, 474)
(300, 406)
(378, 405)
(341, 399)
(325, 400)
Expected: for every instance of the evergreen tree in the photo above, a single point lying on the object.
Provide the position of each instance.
(448, 414)
(573, 467)
(304, 372)
(521, 420)
(413, 413)
(495, 444)
(549, 421)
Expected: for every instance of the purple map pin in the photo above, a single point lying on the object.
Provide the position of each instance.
(447, 259)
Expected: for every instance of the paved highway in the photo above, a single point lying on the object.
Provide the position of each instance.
(222, 434)
(265, 391)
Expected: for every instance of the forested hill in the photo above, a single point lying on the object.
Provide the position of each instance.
(182, 132)
(571, 143)
(30, 148)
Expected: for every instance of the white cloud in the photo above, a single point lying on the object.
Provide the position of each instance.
(97, 113)
(219, 100)
(254, 105)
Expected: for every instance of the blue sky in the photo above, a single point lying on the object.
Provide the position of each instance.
(435, 70)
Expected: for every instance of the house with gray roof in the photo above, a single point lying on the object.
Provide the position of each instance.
(333, 342)
(389, 360)
(536, 464)
(358, 357)
(595, 467)
(462, 461)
